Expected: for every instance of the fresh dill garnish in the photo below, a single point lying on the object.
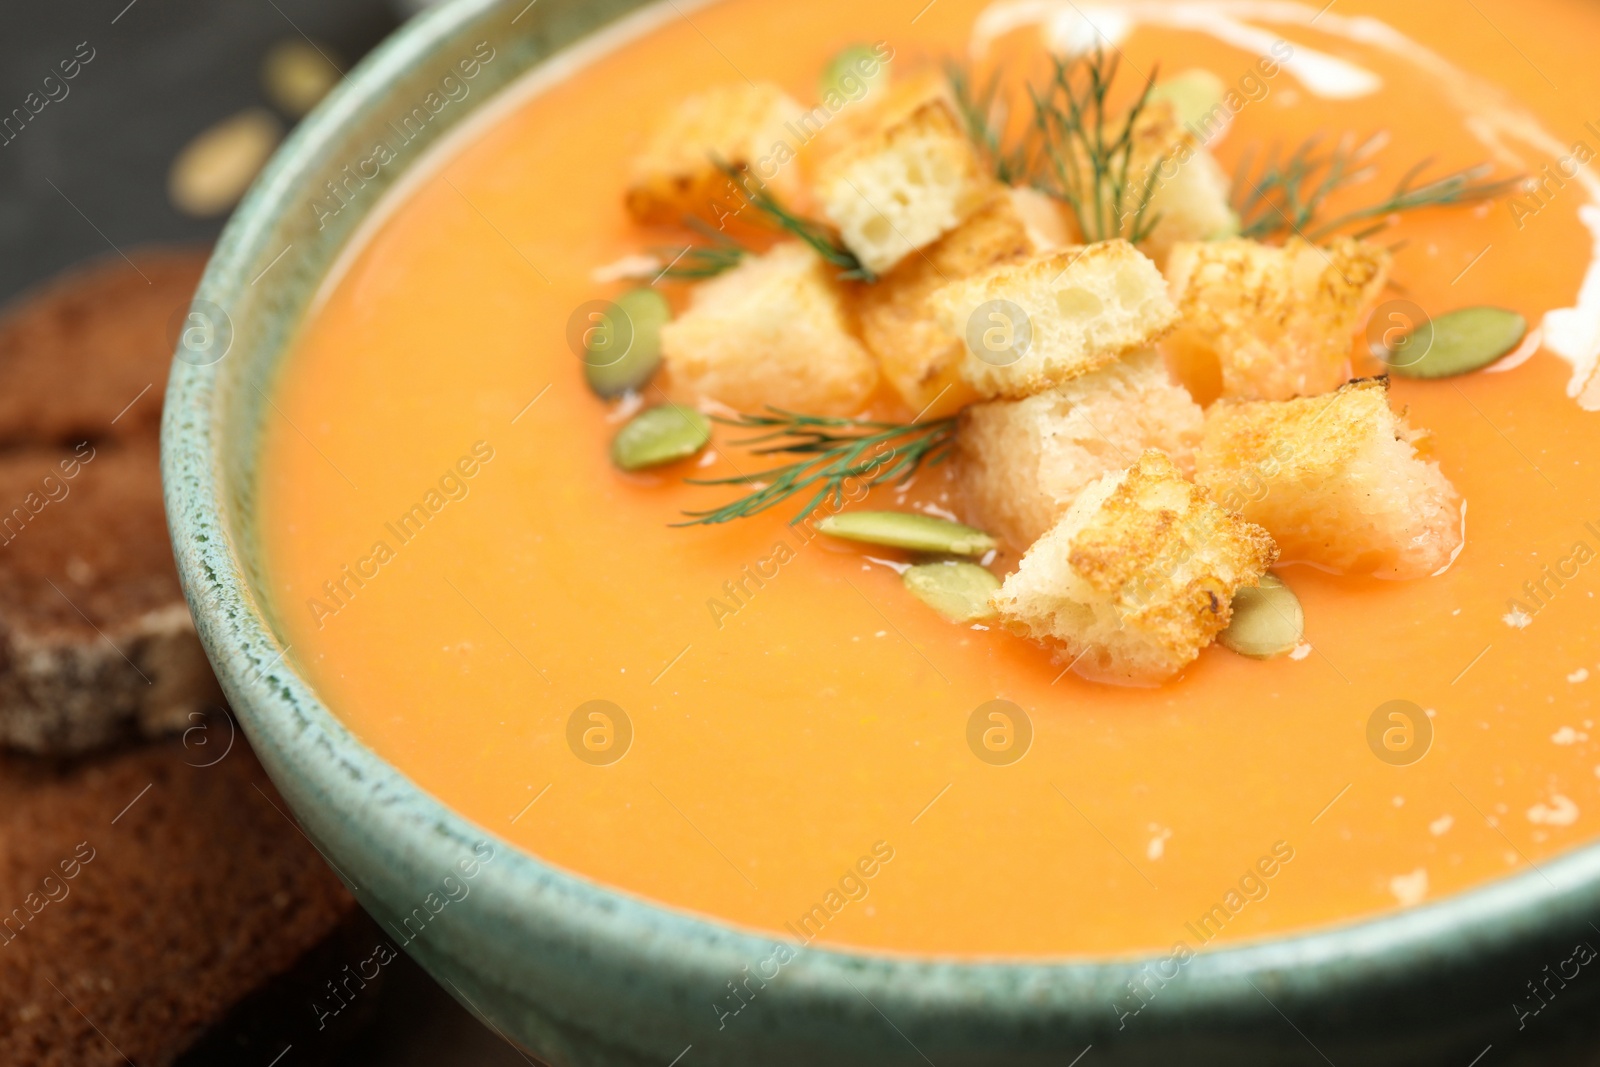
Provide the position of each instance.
(984, 113)
(694, 262)
(835, 451)
(1289, 193)
(1085, 154)
(774, 215)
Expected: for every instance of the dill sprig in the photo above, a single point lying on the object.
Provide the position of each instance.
(694, 262)
(984, 113)
(774, 215)
(835, 451)
(1086, 150)
(1290, 192)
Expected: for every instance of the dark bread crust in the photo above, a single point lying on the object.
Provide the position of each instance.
(77, 349)
(197, 894)
(96, 643)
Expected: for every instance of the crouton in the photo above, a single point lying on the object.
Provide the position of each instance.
(742, 125)
(1044, 217)
(1021, 463)
(1263, 323)
(1189, 194)
(1137, 577)
(1080, 309)
(896, 318)
(773, 330)
(899, 173)
(1336, 480)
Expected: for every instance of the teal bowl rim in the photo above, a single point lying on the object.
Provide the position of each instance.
(332, 777)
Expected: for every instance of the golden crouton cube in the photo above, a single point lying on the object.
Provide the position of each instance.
(1137, 577)
(1035, 324)
(896, 317)
(1021, 463)
(900, 173)
(742, 125)
(1265, 323)
(1336, 479)
(1188, 189)
(1044, 217)
(771, 331)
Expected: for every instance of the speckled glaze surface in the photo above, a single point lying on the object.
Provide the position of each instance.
(578, 974)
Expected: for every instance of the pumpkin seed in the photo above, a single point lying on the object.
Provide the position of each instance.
(958, 591)
(854, 72)
(624, 353)
(1193, 94)
(297, 74)
(1267, 620)
(1459, 342)
(212, 171)
(904, 529)
(660, 435)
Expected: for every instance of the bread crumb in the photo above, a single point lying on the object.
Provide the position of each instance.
(1560, 811)
(771, 331)
(1269, 323)
(1410, 889)
(1336, 480)
(676, 175)
(1038, 323)
(1189, 199)
(897, 317)
(1137, 576)
(900, 172)
(1021, 463)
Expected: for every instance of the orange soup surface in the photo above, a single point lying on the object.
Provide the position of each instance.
(779, 716)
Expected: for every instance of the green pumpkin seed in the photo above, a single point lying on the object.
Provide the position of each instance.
(958, 591)
(1267, 620)
(1457, 343)
(658, 436)
(213, 171)
(904, 529)
(1193, 94)
(623, 355)
(297, 74)
(854, 73)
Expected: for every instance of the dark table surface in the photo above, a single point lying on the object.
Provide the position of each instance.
(87, 177)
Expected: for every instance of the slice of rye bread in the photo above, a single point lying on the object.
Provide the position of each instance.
(96, 643)
(144, 895)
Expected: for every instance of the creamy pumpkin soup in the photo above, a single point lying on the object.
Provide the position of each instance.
(1011, 479)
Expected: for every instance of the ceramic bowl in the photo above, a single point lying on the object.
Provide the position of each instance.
(579, 974)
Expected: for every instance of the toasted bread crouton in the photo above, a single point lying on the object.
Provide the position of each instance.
(1138, 576)
(897, 320)
(772, 330)
(1080, 309)
(1265, 323)
(1336, 480)
(676, 174)
(1189, 194)
(899, 173)
(1021, 463)
(1045, 218)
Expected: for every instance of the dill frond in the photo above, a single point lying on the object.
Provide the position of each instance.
(1289, 193)
(1086, 149)
(984, 114)
(774, 215)
(695, 262)
(835, 451)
